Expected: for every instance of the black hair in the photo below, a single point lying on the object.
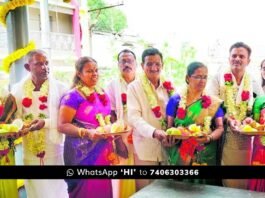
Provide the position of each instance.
(151, 52)
(125, 51)
(192, 67)
(79, 65)
(241, 44)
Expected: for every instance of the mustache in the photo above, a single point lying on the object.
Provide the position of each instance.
(237, 62)
(126, 68)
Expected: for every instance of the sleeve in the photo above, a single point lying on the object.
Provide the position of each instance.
(219, 113)
(135, 115)
(213, 87)
(70, 99)
(172, 106)
(257, 88)
(111, 93)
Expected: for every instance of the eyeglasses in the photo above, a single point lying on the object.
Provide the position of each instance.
(126, 61)
(200, 77)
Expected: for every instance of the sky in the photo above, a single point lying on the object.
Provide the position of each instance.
(196, 19)
(204, 23)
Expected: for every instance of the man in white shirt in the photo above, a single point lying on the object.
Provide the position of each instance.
(147, 99)
(117, 91)
(37, 98)
(235, 86)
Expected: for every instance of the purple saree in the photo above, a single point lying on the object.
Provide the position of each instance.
(78, 151)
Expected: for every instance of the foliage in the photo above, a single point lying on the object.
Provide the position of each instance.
(176, 68)
(106, 20)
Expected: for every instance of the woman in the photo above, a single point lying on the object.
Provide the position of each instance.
(262, 68)
(258, 155)
(8, 188)
(78, 113)
(195, 106)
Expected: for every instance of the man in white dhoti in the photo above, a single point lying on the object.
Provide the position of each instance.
(147, 99)
(117, 91)
(37, 98)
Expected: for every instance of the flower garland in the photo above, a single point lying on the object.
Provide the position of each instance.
(7, 61)
(1, 106)
(4, 150)
(90, 94)
(124, 101)
(11, 5)
(237, 111)
(36, 140)
(205, 102)
(151, 96)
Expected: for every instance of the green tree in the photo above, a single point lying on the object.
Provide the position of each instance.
(106, 20)
(176, 68)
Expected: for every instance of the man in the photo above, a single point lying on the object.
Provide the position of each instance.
(37, 98)
(147, 98)
(234, 86)
(117, 91)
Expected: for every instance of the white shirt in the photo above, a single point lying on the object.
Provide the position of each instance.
(144, 122)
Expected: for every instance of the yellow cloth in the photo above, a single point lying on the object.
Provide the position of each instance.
(8, 187)
(128, 186)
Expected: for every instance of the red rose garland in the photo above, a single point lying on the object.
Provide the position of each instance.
(181, 113)
(43, 99)
(1, 110)
(157, 112)
(124, 98)
(168, 86)
(103, 99)
(245, 95)
(27, 102)
(228, 79)
(91, 98)
(206, 101)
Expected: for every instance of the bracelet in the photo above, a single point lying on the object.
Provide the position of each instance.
(210, 138)
(81, 132)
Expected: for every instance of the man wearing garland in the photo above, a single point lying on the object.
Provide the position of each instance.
(117, 91)
(147, 98)
(37, 98)
(234, 86)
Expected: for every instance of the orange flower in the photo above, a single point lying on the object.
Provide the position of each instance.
(130, 138)
(113, 158)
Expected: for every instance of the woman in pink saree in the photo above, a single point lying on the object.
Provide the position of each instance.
(78, 113)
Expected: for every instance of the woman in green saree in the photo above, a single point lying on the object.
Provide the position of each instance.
(194, 106)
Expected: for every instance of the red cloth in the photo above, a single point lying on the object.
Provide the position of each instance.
(187, 148)
(258, 157)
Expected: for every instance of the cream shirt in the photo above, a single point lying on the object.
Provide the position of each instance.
(114, 91)
(144, 122)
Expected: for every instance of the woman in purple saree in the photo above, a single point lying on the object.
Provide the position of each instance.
(83, 145)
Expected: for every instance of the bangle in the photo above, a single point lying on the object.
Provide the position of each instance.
(210, 138)
(81, 132)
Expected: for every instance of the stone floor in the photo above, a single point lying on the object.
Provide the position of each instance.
(173, 189)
